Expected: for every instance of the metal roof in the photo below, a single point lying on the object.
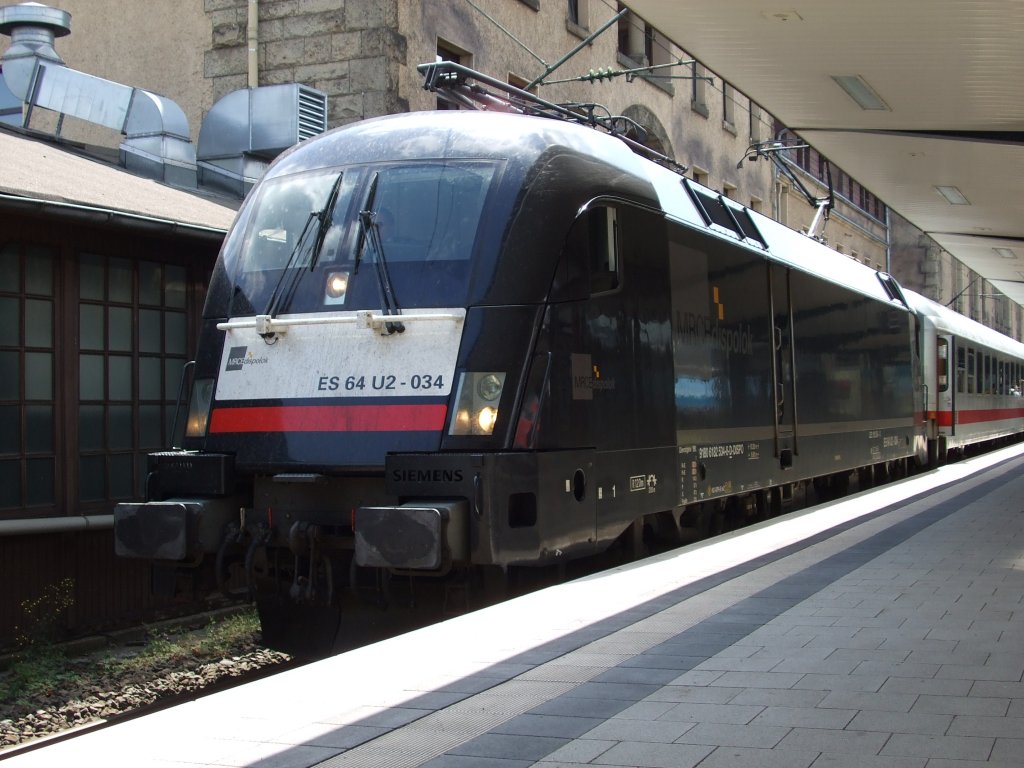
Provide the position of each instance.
(40, 172)
(948, 74)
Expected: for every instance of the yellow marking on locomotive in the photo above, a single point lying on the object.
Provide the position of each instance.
(719, 304)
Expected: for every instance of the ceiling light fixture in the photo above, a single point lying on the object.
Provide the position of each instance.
(857, 88)
(953, 195)
(1006, 253)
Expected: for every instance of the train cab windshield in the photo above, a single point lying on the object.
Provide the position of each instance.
(321, 240)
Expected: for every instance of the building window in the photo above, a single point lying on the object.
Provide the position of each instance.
(700, 175)
(729, 107)
(632, 39)
(27, 377)
(446, 52)
(699, 96)
(756, 132)
(133, 343)
(578, 15)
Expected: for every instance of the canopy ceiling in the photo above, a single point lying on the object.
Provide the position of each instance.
(949, 77)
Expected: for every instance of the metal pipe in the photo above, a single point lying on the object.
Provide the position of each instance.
(42, 525)
(252, 40)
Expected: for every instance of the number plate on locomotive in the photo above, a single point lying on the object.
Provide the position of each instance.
(341, 359)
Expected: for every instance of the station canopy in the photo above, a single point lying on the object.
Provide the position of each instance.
(922, 101)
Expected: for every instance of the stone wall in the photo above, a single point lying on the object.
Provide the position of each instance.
(350, 50)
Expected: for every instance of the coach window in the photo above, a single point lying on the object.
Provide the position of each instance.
(961, 372)
(942, 363)
(971, 375)
(986, 376)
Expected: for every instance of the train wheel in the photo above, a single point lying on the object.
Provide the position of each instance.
(306, 621)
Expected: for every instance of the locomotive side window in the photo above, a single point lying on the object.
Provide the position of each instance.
(603, 231)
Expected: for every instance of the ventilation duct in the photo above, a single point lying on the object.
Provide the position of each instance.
(247, 129)
(156, 131)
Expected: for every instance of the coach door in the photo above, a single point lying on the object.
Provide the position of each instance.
(783, 365)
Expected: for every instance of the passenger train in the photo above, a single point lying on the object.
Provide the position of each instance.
(439, 343)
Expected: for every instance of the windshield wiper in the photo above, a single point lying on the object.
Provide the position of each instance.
(279, 301)
(370, 231)
(277, 297)
(326, 216)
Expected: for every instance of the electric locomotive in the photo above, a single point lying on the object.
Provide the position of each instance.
(441, 342)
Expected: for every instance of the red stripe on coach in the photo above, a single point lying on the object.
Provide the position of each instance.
(330, 418)
(978, 415)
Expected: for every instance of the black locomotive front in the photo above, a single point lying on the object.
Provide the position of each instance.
(389, 336)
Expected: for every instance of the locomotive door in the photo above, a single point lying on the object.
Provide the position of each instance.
(783, 365)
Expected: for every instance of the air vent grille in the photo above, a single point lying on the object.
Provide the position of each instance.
(312, 112)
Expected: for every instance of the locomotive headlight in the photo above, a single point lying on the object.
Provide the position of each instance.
(476, 403)
(336, 288)
(199, 408)
(485, 420)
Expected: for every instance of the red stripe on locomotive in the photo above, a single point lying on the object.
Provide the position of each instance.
(330, 418)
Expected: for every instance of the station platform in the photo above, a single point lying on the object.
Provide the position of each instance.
(886, 629)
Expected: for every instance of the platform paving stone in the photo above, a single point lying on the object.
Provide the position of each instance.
(648, 755)
(929, 746)
(891, 642)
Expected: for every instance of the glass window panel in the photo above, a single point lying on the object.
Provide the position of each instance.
(119, 281)
(10, 484)
(39, 428)
(10, 376)
(39, 479)
(10, 268)
(172, 380)
(10, 429)
(119, 329)
(149, 378)
(149, 330)
(119, 427)
(39, 271)
(141, 470)
(90, 427)
(90, 326)
(119, 377)
(90, 278)
(150, 434)
(174, 333)
(120, 476)
(10, 321)
(90, 373)
(174, 286)
(149, 283)
(38, 323)
(92, 473)
(39, 376)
